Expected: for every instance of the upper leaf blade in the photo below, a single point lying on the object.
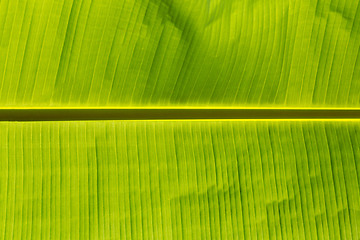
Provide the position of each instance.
(172, 53)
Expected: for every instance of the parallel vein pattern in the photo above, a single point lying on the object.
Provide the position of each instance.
(180, 180)
(179, 52)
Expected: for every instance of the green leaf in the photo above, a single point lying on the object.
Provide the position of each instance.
(180, 53)
(180, 179)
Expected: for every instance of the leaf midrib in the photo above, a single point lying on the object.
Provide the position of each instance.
(108, 113)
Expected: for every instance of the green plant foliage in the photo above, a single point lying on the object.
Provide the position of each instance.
(180, 52)
(179, 179)
(184, 179)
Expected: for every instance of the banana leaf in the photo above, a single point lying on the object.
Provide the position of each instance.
(238, 179)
